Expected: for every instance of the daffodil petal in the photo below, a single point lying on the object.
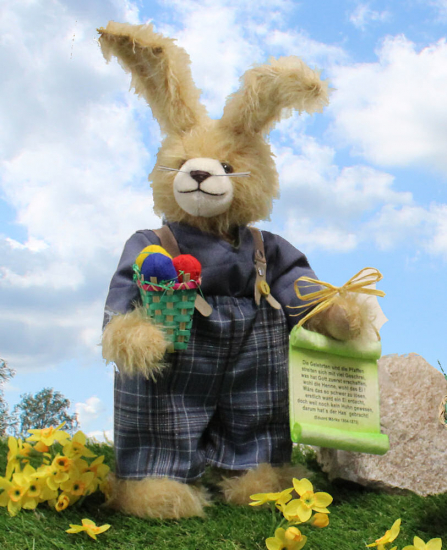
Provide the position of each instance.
(321, 510)
(273, 543)
(322, 500)
(419, 544)
(394, 531)
(302, 486)
(292, 507)
(434, 544)
(103, 528)
(75, 529)
(303, 512)
(258, 496)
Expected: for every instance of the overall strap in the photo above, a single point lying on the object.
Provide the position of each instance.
(261, 286)
(167, 240)
(169, 243)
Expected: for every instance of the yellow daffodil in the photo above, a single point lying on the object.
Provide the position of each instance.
(320, 520)
(48, 436)
(289, 539)
(419, 544)
(15, 494)
(76, 447)
(63, 502)
(262, 498)
(44, 471)
(18, 451)
(89, 527)
(5, 486)
(41, 447)
(99, 468)
(60, 481)
(308, 501)
(56, 478)
(281, 504)
(62, 463)
(78, 484)
(388, 537)
(24, 491)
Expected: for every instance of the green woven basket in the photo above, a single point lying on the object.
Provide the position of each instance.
(171, 306)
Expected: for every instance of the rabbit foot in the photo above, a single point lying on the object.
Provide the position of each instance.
(160, 498)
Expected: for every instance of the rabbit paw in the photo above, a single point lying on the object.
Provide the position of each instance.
(134, 343)
(342, 321)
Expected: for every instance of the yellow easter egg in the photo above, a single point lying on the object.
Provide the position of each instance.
(150, 250)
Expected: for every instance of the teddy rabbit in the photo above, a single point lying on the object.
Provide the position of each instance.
(222, 402)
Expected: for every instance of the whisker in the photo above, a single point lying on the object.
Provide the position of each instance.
(233, 175)
(167, 169)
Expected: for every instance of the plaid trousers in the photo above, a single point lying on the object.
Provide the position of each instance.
(223, 401)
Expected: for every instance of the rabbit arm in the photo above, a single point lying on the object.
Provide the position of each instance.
(267, 90)
(130, 339)
(160, 73)
(286, 264)
(342, 321)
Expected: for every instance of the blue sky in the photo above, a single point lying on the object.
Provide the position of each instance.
(363, 184)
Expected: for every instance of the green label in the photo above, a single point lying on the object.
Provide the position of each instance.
(334, 398)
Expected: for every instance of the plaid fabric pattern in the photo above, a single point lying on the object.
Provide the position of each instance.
(223, 401)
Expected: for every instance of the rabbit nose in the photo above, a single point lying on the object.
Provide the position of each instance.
(199, 175)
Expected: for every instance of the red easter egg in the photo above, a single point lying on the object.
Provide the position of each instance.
(187, 264)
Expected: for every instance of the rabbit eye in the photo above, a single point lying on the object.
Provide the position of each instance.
(227, 167)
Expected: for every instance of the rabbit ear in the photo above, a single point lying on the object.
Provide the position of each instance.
(160, 73)
(286, 83)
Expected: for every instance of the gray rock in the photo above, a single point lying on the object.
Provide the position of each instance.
(411, 391)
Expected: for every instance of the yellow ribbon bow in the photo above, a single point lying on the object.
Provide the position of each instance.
(326, 296)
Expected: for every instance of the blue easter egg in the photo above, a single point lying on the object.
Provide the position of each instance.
(159, 266)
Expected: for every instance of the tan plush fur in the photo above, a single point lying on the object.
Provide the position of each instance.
(342, 321)
(160, 73)
(126, 340)
(253, 195)
(287, 83)
(159, 498)
(263, 479)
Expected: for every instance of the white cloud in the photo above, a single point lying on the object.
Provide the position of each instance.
(307, 235)
(328, 206)
(440, 7)
(31, 245)
(298, 43)
(411, 226)
(393, 112)
(89, 411)
(363, 15)
(438, 242)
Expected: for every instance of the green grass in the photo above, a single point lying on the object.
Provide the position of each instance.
(358, 517)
